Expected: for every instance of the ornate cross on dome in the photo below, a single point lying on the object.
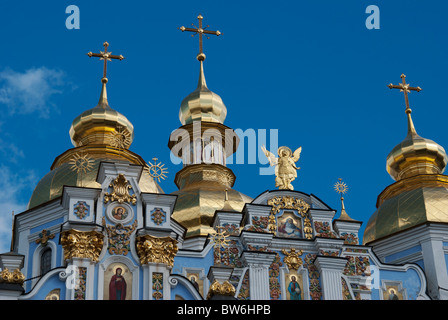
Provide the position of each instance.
(200, 30)
(404, 87)
(106, 56)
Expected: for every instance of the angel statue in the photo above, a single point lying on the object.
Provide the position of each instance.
(285, 168)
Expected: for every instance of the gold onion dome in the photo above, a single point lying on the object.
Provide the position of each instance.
(100, 134)
(415, 155)
(420, 193)
(102, 125)
(202, 104)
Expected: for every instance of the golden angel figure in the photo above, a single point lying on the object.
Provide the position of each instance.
(285, 168)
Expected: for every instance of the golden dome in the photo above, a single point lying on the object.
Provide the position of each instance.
(203, 189)
(409, 203)
(202, 104)
(102, 125)
(63, 174)
(415, 155)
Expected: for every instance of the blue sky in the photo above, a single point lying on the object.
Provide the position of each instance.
(309, 69)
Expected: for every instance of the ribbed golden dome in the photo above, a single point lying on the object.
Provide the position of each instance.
(203, 189)
(409, 203)
(102, 125)
(415, 155)
(202, 104)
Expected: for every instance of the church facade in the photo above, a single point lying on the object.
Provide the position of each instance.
(99, 227)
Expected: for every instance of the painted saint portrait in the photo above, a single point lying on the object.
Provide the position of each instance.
(294, 287)
(392, 293)
(119, 213)
(197, 283)
(117, 282)
(289, 226)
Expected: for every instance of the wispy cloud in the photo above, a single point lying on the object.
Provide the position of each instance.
(12, 186)
(30, 91)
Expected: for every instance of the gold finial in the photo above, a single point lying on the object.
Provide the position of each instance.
(404, 87)
(201, 31)
(157, 170)
(342, 188)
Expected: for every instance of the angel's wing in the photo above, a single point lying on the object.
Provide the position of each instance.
(271, 157)
(296, 154)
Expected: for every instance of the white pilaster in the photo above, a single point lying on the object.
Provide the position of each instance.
(330, 269)
(435, 265)
(149, 271)
(258, 263)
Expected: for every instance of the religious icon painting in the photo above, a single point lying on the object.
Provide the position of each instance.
(117, 282)
(289, 226)
(120, 213)
(294, 286)
(196, 281)
(53, 295)
(392, 293)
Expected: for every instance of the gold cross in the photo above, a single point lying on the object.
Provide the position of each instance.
(404, 87)
(200, 30)
(106, 56)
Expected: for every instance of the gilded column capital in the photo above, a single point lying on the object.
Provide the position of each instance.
(11, 277)
(82, 244)
(292, 258)
(224, 289)
(156, 250)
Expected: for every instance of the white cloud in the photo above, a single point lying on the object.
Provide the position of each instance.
(13, 185)
(30, 91)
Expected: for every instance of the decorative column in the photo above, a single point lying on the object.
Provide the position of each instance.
(81, 252)
(11, 278)
(157, 258)
(258, 263)
(330, 269)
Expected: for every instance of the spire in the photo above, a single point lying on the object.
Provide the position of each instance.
(227, 206)
(202, 84)
(411, 129)
(342, 188)
(102, 103)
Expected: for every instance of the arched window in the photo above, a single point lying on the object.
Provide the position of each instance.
(45, 261)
